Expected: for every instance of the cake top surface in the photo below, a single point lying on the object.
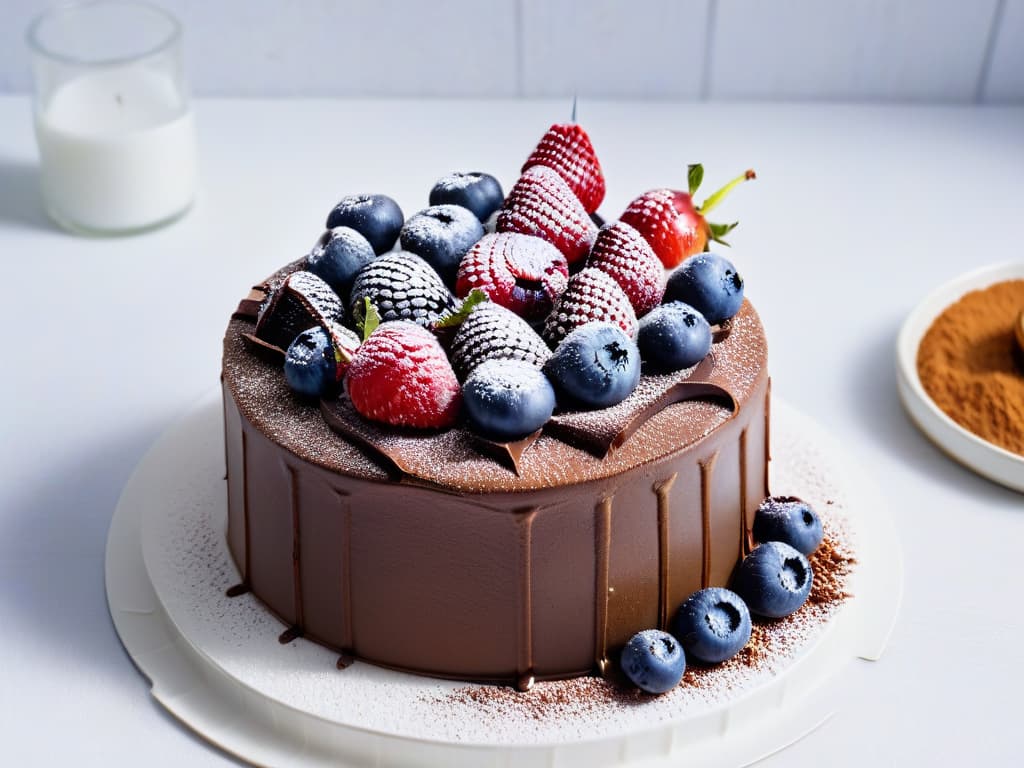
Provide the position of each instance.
(650, 424)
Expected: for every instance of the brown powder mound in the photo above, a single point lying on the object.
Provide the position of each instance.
(770, 640)
(970, 365)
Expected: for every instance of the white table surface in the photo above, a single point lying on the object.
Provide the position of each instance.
(857, 213)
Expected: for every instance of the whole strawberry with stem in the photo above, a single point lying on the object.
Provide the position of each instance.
(401, 376)
(675, 227)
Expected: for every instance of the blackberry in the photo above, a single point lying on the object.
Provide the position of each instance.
(492, 332)
(402, 286)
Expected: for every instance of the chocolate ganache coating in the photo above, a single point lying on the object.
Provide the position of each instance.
(430, 553)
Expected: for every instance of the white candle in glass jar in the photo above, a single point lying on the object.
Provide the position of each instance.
(118, 150)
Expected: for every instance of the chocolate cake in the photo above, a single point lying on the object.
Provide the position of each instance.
(445, 555)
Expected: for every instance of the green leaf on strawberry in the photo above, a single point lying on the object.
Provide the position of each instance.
(370, 319)
(718, 231)
(694, 176)
(473, 299)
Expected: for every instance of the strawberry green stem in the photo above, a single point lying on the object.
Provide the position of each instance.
(720, 195)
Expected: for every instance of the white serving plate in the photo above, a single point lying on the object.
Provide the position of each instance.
(217, 666)
(981, 456)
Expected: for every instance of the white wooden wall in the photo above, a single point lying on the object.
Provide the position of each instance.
(882, 50)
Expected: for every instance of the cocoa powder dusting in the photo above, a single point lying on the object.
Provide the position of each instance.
(971, 366)
(832, 564)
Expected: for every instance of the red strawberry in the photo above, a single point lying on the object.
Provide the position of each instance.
(673, 225)
(401, 376)
(566, 148)
(592, 296)
(622, 253)
(541, 204)
(519, 272)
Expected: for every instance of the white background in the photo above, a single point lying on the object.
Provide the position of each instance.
(917, 50)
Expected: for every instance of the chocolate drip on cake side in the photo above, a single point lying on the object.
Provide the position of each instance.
(297, 629)
(662, 491)
(707, 466)
(602, 554)
(245, 585)
(524, 675)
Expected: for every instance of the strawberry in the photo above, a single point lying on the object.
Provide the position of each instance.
(543, 205)
(566, 149)
(520, 272)
(622, 253)
(491, 332)
(400, 376)
(592, 296)
(402, 286)
(673, 225)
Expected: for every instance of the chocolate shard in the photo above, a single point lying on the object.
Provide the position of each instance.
(302, 301)
(602, 431)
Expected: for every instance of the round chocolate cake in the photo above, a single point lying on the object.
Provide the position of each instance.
(445, 555)
(462, 472)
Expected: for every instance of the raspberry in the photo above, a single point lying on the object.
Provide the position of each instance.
(592, 296)
(402, 286)
(492, 332)
(401, 376)
(520, 272)
(566, 149)
(542, 204)
(622, 253)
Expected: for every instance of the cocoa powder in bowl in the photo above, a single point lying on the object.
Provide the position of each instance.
(971, 366)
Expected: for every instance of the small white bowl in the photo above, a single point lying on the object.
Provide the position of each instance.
(973, 452)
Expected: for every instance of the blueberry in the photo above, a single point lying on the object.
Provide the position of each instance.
(774, 580)
(507, 399)
(789, 520)
(713, 625)
(597, 365)
(376, 217)
(309, 364)
(673, 336)
(710, 284)
(441, 235)
(479, 192)
(654, 661)
(337, 256)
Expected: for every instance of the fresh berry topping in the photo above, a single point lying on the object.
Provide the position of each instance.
(309, 364)
(566, 149)
(596, 366)
(654, 661)
(672, 234)
(712, 625)
(622, 253)
(401, 376)
(774, 580)
(507, 399)
(492, 332)
(521, 272)
(710, 284)
(671, 222)
(590, 296)
(337, 256)
(302, 301)
(441, 235)
(479, 192)
(672, 337)
(542, 204)
(402, 286)
(376, 217)
(789, 520)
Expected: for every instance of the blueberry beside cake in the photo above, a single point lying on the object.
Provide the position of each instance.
(495, 442)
